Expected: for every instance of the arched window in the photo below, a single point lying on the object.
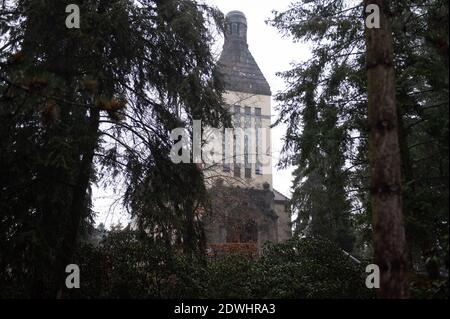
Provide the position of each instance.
(235, 28)
(249, 232)
(242, 30)
(233, 232)
(228, 29)
(242, 232)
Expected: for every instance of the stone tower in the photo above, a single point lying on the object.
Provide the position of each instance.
(249, 98)
(247, 211)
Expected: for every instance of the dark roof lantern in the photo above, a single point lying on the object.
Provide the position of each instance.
(239, 68)
(236, 26)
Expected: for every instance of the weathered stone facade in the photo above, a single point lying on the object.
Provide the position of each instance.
(246, 215)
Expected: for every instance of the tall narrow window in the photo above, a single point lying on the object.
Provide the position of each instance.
(225, 160)
(249, 232)
(258, 137)
(237, 138)
(235, 28)
(247, 124)
(226, 151)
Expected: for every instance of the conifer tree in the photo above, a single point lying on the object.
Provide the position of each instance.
(97, 105)
(337, 74)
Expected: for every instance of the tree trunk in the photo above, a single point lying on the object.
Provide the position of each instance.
(385, 163)
(79, 204)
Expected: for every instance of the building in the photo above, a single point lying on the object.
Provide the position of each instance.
(246, 210)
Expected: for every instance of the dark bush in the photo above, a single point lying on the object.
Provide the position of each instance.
(128, 265)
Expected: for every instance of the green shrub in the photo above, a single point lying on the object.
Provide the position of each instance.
(127, 265)
(310, 268)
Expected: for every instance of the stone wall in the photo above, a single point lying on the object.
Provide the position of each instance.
(242, 215)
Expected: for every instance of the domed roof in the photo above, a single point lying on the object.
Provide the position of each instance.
(236, 16)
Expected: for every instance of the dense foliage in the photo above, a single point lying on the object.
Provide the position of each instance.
(325, 110)
(97, 105)
(127, 265)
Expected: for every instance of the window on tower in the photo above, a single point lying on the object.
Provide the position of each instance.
(258, 140)
(247, 124)
(236, 138)
(235, 28)
(225, 160)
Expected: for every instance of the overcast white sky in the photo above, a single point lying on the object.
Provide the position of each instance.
(273, 53)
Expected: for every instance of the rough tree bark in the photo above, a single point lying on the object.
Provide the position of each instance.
(385, 162)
